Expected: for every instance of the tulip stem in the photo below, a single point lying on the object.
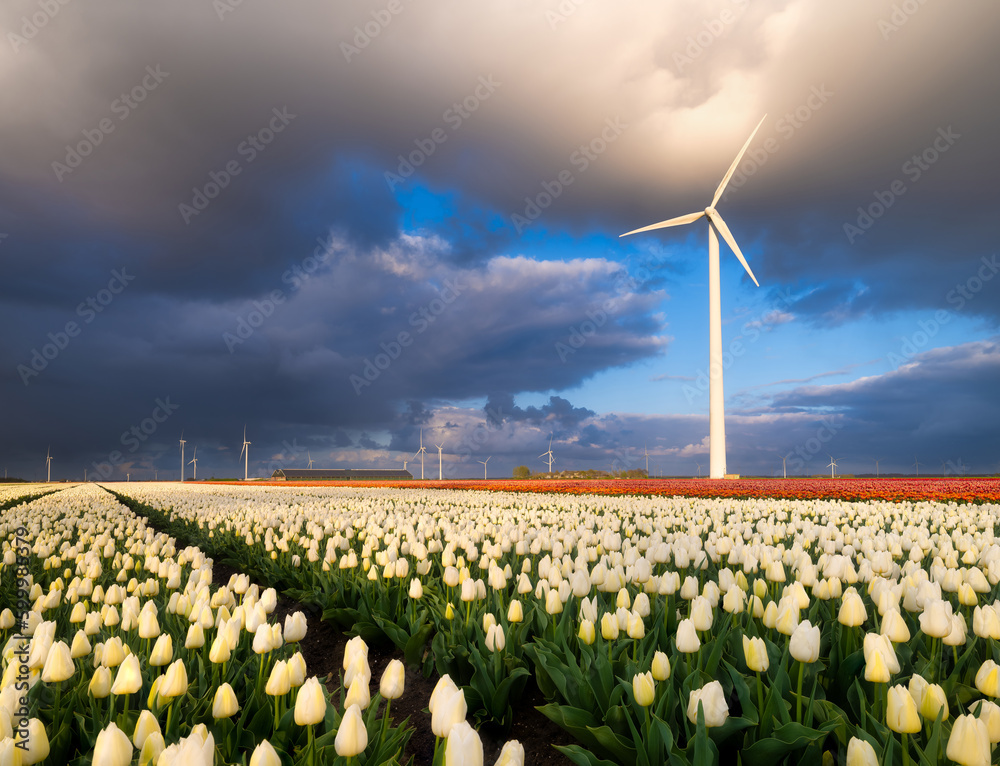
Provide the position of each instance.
(312, 745)
(798, 695)
(760, 697)
(906, 751)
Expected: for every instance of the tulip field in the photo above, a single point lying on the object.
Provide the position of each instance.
(657, 629)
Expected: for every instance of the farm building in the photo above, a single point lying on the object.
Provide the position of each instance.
(340, 474)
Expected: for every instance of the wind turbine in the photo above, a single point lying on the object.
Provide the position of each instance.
(916, 465)
(645, 452)
(716, 408)
(440, 464)
(194, 460)
(246, 460)
(833, 468)
(549, 453)
(48, 464)
(784, 473)
(876, 467)
(404, 464)
(310, 459)
(484, 462)
(182, 455)
(421, 452)
(699, 469)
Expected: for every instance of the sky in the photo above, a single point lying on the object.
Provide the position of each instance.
(344, 225)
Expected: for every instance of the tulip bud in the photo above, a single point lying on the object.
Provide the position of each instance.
(358, 693)
(661, 667)
(609, 627)
(861, 753)
(515, 612)
(100, 683)
(58, 664)
(296, 666)
(934, 701)
(804, 643)
(310, 703)
(636, 627)
(755, 653)
(265, 755)
(175, 680)
(129, 677)
(225, 703)
(935, 620)
(687, 640)
(512, 754)
(150, 751)
(195, 637)
(901, 712)
(447, 712)
(852, 609)
(163, 651)
(553, 604)
(712, 700)
(495, 639)
(393, 680)
(295, 627)
(416, 589)
(988, 679)
(989, 713)
(144, 727)
(278, 683)
(112, 747)
(644, 689)
(464, 746)
(220, 651)
(352, 736)
(34, 747)
(587, 633)
(969, 742)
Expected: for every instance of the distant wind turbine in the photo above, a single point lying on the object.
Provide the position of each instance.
(404, 464)
(421, 452)
(194, 460)
(646, 453)
(916, 465)
(876, 467)
(716, 410)
(246, 450)
(310, 458)
(699, 469)
(48, 464)
(833, 467)
(440, 463)
(549, 453)
(182, 455)
(784, 473)
(484, 462)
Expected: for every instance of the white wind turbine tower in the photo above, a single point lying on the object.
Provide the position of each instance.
(48, 464)
(246, 460)
(421, 452)
(310, 458)
(716, 409)
(182, 455)
(876, 467)
(484, 462)
(833, 467)
(440, 464)
(645, 452)
(549, 453)
(916, 465)
(194, 460)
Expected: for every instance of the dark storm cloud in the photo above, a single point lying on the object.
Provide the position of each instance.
(211, 158)
(500, 408)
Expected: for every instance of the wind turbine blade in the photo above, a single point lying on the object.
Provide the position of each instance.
(727, 235)
(678, 221)
(732, 168)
